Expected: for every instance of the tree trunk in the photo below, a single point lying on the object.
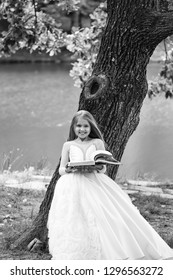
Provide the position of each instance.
(115, 92)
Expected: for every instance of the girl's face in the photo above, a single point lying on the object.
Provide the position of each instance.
(82, 128)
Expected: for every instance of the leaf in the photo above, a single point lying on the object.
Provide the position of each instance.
(52, 53)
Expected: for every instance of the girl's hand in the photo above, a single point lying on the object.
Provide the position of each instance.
(87, 169)
(70, 169)
(99, 167)
(90, 168)
(84, 169)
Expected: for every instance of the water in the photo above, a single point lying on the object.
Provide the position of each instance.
(149, 151)
(38, 102)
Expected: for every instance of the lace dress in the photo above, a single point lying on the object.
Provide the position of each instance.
(92, 218)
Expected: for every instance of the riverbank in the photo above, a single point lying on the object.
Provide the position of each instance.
(24, 56)
(31, 179)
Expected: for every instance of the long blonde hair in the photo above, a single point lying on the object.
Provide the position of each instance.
(95, 131)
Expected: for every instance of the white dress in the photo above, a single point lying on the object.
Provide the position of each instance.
(92, 218)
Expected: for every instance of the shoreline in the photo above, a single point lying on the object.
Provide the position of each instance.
(24, 56)
(32, 181)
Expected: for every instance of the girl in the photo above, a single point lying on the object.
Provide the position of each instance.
(91, 217)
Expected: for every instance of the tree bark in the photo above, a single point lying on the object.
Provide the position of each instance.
(115, 92)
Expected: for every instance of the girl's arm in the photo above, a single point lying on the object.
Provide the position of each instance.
(64, 158)
(100, 146)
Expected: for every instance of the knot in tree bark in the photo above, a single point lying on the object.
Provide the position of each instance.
(96, 86)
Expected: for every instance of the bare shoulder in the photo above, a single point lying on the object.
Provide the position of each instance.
(67, 144)
(99, 144)
(98, 141)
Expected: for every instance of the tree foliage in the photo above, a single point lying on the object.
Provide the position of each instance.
(85, 43)
(30, 26)
(163, 84)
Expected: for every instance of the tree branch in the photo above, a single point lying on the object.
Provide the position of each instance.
(164, 24)
(35, 12)
(166, 51)
(154, 26)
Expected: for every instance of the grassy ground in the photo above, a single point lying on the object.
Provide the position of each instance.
(158, 212)
(18, 208)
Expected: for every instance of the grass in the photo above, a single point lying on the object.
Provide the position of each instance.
(158, 212)
(18, 208)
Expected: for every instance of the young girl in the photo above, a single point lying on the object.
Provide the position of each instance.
(91, 217)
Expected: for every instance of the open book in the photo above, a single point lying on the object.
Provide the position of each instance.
(97, 157)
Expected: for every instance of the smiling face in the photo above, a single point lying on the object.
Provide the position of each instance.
(82, 129)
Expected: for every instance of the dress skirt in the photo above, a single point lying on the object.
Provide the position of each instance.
(92, 218)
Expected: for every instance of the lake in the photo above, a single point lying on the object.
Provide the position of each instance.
(37, 103)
